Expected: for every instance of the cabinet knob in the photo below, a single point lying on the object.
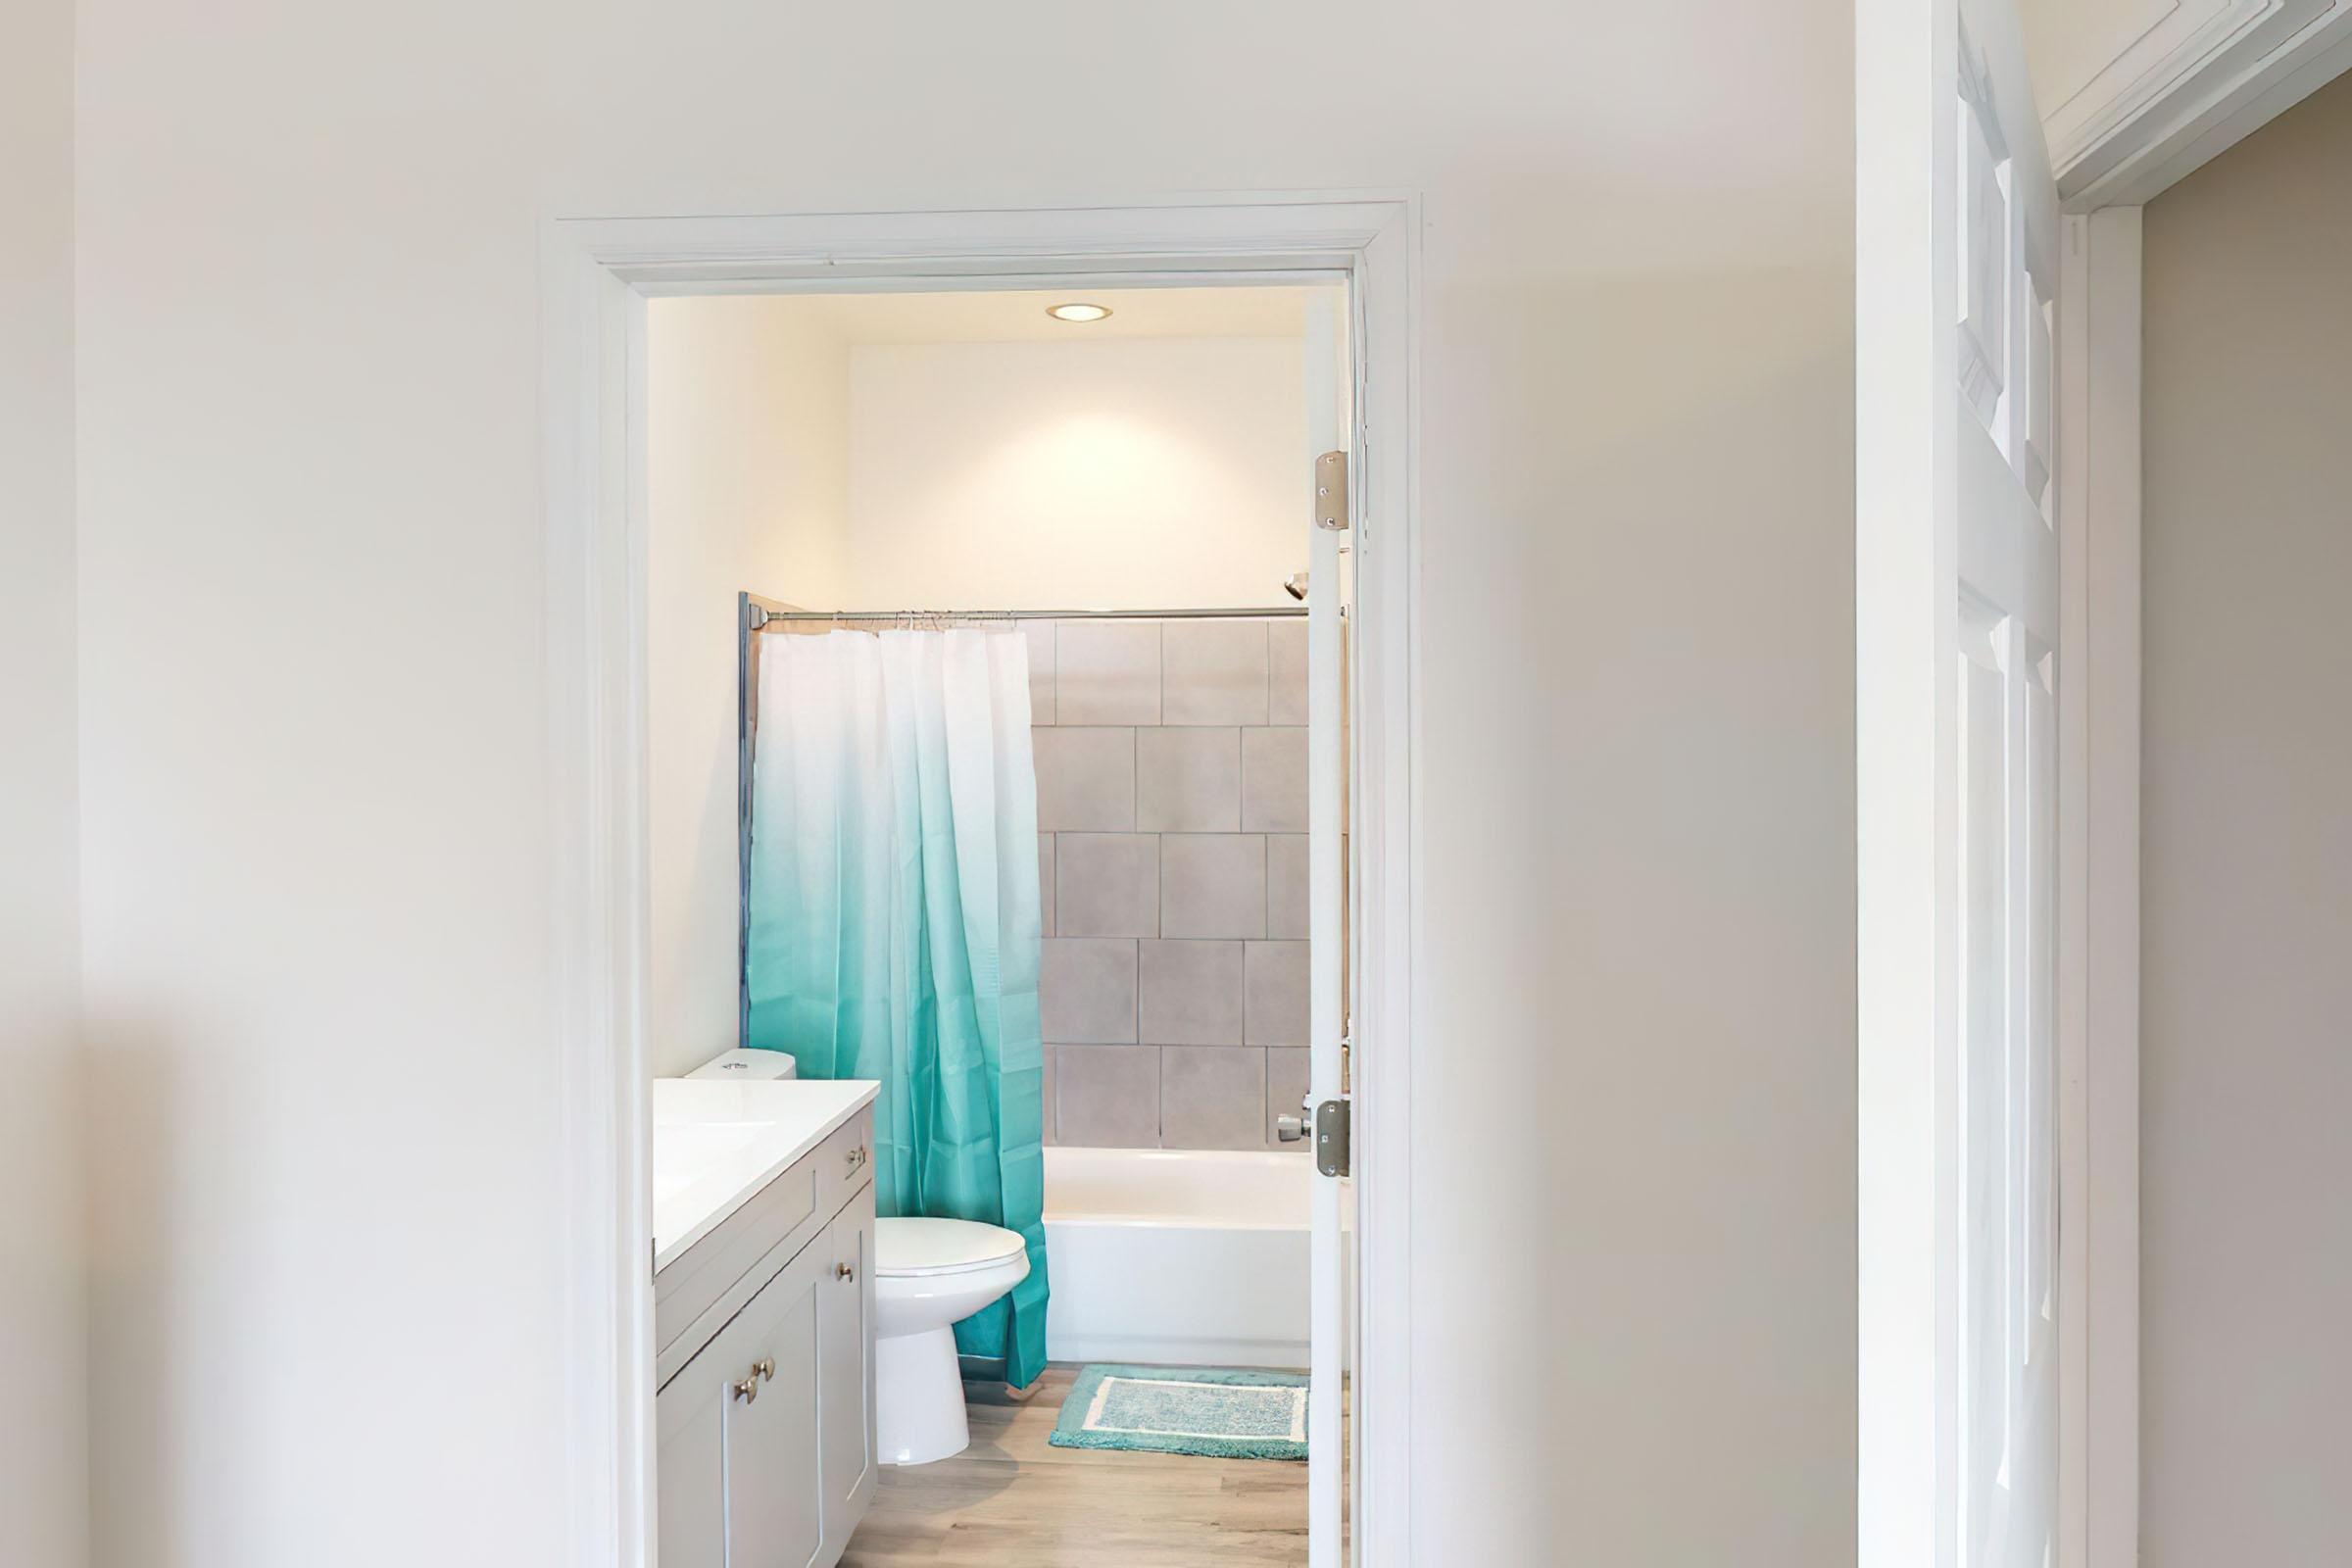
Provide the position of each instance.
(765, 1369)
(844, 1271)
(748, 1389)
(858, 1157)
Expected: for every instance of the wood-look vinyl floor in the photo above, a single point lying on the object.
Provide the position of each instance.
(1011, 1501)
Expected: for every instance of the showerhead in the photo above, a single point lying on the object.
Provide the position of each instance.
(1295, 585)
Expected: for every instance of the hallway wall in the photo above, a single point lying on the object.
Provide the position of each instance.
(2246, 850)
(317, 870)
(44, 1499)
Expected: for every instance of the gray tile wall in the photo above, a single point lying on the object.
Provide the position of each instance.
(1171, 806)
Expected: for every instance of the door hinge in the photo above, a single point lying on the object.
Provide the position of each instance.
(1332, 1137)
(1331, 490)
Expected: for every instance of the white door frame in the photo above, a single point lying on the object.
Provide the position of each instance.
(2098, 890)
(596, 275)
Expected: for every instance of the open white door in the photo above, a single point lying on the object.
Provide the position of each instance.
(1957, 617)
(1328, 421)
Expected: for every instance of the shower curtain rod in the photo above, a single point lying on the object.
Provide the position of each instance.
(758, 616)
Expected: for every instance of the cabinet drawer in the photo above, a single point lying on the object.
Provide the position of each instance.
(703, 1283)
(844, 1161)
(694, 1296)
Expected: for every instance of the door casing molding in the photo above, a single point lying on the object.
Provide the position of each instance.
(596, 275)
(2186, 89)
(2098, 890)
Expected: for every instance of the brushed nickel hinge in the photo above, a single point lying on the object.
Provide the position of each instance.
(1331, 490)
(1332, 1137)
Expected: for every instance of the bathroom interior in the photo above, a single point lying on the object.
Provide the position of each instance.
(986, 859)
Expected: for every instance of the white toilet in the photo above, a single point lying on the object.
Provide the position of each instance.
(928, 1273)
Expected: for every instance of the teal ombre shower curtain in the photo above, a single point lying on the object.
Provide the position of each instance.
(893, 922)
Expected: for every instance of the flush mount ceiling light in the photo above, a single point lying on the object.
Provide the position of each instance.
(1075, 311)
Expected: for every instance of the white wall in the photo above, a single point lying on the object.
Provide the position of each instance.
(748, 488)
(1126, 473)
(316, 875)
(2246, 852)
(44, 1501)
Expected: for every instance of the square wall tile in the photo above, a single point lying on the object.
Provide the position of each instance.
(1212, 1097)
(1191, 993)
(1286, 672)
(1040, 669)
(1213, 672)
(1086, 990)
(1278, 1001)
(1274, 780)
(1187, 780)
(1287, 887)
(1286, 1089)
(1109, 885)
(1045, 884)
(1107, 672)
(1212, 885)
(1107, 1096)
(1085, 779)
(1047, 1124)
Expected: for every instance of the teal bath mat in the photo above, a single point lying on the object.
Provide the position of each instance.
(1213, 1411)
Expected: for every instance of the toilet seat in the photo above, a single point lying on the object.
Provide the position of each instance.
(925, 1248)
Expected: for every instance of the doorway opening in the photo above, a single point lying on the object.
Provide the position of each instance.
(601, 278)
(979, 633)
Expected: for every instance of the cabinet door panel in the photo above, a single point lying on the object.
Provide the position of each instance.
(846, 1370)
(738, 1462)
(690, 1464)
(774, 1508)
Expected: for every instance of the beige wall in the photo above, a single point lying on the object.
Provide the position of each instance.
(316, 873)
(1140, 472)
(2247, 840)
(746, 481)
(43, 1496)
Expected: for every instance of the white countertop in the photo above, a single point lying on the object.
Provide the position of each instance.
(717, 1143)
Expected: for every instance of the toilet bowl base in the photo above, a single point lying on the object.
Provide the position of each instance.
(918, 1393)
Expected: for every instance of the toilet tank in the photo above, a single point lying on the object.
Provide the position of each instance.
(743, 1066)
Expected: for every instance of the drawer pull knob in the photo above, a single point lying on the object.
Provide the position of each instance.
(842, 1271)
(765, 1367)
(748, 1390)
(858, 1157)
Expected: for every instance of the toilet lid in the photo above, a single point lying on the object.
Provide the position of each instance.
(913, 1247)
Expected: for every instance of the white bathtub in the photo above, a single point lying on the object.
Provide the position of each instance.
(1177, 1256)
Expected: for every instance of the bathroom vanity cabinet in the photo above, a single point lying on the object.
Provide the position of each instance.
(764, 1418)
